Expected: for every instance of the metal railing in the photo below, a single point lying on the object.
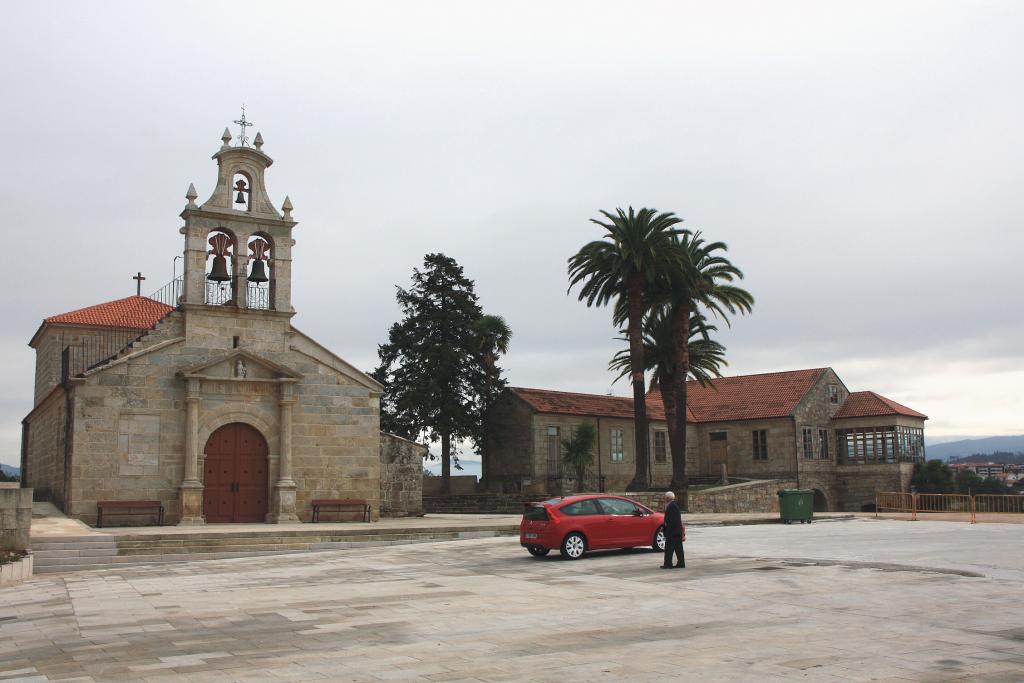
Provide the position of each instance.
(219, 293)
(955, 503)
(170, 294)
(258, 295)
(93, 349)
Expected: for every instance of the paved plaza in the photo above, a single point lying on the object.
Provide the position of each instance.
(857, 599)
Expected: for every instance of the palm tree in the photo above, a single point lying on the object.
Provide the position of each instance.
(492, 337)
(703, 280)
(577, 451)
(624, 267)
(707, 357)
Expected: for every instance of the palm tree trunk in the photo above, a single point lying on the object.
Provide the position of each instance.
(641, 479)
(681, 327)
(446, 463)
(676, 443)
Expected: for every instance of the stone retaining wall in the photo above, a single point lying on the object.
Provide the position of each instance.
(15, 516)
(751, 496)
(401, 476)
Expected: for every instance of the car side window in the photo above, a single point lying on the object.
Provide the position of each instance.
(581, 507)
(617, 506)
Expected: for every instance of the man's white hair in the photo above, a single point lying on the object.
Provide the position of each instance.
(670, 495)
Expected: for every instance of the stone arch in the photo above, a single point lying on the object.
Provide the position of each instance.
(820, 501)
(264, 421)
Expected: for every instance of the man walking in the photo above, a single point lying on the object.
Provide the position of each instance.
(674, 532)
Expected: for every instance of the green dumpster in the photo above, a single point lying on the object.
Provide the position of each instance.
(796, 504)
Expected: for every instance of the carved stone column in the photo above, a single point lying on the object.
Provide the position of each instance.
(191, 488)
(283, 508)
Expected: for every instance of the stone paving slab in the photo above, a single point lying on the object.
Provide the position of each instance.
(852, 600)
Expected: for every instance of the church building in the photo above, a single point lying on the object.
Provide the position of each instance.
(204, 396)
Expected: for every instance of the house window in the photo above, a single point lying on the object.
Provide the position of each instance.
(617, 451)
(760, 438)
(808, 443)
(659, 447)
(880, 444)
(833, 393)
(823, 444)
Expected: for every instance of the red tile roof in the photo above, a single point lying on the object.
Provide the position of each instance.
(567, 403)
(133, 313)
(870, 404)
(746, 397)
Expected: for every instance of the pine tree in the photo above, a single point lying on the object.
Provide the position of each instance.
(431, 366)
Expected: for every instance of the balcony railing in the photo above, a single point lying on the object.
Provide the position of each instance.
(258, 295)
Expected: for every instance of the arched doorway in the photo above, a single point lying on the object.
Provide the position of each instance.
(820, 502)
(235, 475)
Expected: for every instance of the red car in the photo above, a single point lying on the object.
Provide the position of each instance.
(576, 524)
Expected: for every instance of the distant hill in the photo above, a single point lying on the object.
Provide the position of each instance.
(468, 467)
(979, 446)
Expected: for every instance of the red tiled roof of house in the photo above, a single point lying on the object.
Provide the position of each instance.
(596, 405)
(870, 404)
(133, 313)
(745, 397)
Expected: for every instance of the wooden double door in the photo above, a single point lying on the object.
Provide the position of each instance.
(235, 475)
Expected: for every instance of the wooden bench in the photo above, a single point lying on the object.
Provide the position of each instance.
(341, 505)
(130, 507)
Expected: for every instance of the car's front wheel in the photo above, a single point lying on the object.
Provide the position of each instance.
(573, 546)
(659, 539)
(538, 551)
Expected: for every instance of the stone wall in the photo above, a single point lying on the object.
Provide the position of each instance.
(44, 450)
(15, 516)
(753, 496)
(401, 476)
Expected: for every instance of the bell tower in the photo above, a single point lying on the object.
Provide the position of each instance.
(238, 248)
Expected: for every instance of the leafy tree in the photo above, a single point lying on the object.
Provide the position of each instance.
(432, 366)
(8, 477)
(492, 339)
(933, 477)
(701, 281)
(707, 357)
(623, 268)
(967, 481)
(578, 450)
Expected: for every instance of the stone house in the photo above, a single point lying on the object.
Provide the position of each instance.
(205, 396)
(803, 426)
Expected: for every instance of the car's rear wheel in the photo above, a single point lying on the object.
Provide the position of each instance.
(659, 539)
(537, 550)
(574, 546)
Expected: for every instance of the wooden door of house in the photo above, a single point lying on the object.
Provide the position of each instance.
(235, 475)
(718, 453)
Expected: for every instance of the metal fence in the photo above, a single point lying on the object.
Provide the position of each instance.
(956, 503)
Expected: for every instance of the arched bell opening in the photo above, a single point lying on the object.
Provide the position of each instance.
(260, 293)
(241, 191)
(220, 267)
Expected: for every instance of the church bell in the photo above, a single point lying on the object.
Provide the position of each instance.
(259, 272)
(240, 197)
(219, 272)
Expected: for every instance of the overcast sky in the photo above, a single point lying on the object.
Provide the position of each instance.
(863, 162)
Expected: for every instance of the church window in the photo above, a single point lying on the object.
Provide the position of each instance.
(618, 452)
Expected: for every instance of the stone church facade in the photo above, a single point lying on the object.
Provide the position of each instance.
(804, 427)
(204, 396)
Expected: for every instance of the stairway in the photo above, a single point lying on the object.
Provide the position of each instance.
(76, 553)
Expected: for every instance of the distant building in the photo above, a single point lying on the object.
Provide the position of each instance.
(803, 426)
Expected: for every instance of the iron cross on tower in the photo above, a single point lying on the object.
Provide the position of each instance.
(138, 283)
(243, 124)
